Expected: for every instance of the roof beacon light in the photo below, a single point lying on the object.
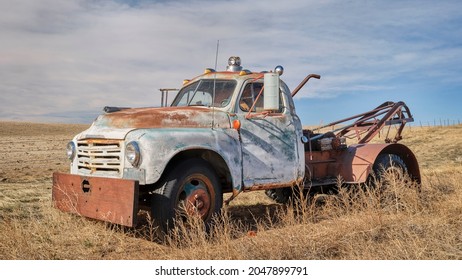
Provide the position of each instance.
(234, 64)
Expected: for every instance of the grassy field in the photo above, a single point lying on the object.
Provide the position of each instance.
(402, 223)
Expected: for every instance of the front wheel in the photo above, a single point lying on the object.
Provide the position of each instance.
(190, 189)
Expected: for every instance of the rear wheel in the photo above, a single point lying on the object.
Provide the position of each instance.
(190, 189)
(389, 167)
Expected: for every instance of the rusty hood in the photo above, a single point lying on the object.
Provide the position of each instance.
(116, 125)
(167, 117)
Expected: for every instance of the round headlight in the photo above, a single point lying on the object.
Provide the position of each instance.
(70, 150)
(132, 153)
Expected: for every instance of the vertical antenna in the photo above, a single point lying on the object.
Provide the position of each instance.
(214, 84)
(216, 55)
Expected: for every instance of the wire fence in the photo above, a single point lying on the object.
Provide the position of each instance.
(437, 123)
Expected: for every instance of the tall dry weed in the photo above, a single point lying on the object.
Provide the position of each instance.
(401, 221)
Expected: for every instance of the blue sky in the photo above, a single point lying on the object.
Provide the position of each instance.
(63, 61)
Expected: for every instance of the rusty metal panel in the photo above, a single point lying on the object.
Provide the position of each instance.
(357, 162)
(320, 164)
(269, 150)
(166, 117)
(105, 199)
(409, 159)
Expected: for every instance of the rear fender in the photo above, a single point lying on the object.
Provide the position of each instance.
(359, 159)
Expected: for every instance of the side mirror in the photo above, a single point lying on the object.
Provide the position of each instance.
(271, 92)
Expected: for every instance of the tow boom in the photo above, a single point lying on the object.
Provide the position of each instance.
(366, 126)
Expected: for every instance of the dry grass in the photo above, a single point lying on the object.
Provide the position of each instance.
(399, 222)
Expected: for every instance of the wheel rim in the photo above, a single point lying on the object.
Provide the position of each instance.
(195, 199)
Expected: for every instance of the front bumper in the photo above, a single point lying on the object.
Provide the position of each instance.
(106, 199)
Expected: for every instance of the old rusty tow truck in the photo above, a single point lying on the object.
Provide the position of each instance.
(225, 132)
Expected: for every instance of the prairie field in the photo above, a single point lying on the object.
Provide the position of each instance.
(404, 222)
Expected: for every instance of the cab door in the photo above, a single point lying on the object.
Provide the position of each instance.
(270, 151)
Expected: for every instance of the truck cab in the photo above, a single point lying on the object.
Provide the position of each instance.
(269, 150)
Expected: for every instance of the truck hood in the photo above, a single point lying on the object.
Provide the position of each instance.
(117, 124)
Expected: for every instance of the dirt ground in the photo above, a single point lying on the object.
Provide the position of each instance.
(32, 152)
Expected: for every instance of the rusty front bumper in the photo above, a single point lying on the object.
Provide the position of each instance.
(105, 199)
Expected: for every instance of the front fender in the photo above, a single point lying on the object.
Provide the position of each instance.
(159, 146)
(357, 162)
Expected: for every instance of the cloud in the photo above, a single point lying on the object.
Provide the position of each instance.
(74, 57)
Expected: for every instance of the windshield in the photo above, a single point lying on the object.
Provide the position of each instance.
(200, 93)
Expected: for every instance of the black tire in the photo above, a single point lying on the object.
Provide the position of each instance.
(388, 165)
(280, 195)
(287, 195)
(190, 188)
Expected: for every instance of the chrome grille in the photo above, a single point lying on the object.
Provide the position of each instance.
(100, 157)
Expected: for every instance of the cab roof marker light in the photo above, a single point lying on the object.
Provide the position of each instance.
(245, 72)
(209, 70)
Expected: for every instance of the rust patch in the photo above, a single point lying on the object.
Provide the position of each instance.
(357, 162)
(105, 199)
(102, 141)
(323, 164)
(269, 186)
(353, 165)
(226, 75)
(199, 203)
(169, 117)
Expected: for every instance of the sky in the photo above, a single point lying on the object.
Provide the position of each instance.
(63, 61)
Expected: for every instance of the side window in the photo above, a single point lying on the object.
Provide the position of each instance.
(250, 94)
